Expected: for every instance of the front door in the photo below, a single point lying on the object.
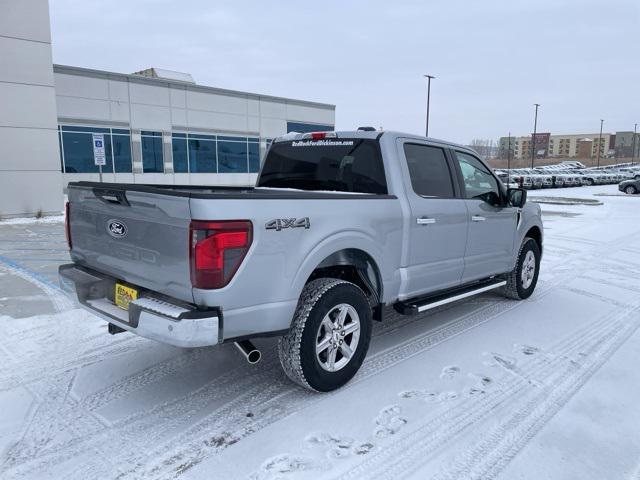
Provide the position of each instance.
(492, 225)
(438, 221)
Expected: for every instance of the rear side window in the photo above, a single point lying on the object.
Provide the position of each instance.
(341, 165)
(429, 171)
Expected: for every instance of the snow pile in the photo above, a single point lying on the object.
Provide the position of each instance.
(33, 220)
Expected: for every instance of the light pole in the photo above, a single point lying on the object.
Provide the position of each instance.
(533, 137)
(599, 144)
(633, 149)
(428, 77)
(509, 161)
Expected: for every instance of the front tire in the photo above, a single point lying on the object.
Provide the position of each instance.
(522, 280)
(631, 190)
(329, 336)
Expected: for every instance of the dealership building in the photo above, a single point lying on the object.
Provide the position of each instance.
(158, 126)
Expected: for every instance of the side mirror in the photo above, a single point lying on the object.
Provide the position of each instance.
(516, 197)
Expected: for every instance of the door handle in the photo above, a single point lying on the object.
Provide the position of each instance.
(478, 218)
(425, 220)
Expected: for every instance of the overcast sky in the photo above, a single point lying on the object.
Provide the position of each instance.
(492, 59)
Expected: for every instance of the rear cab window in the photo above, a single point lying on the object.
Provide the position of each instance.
(332, 164)
(429, 171)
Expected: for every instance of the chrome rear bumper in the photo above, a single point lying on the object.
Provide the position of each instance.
(147, 316)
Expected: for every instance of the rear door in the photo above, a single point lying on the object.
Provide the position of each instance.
(138, 237)
(492, 225)
(438, 223)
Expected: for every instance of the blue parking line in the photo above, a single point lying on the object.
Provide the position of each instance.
(30, 273)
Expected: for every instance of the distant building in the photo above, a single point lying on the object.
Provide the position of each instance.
(626, 146)
(564, 146)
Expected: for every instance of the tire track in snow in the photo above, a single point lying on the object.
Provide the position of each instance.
(505, 440)
(413, 450)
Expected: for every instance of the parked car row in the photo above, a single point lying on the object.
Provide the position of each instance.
(558, 176)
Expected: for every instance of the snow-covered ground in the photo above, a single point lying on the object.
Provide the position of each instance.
(487, 388)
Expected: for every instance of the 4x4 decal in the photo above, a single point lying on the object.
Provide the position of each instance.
(281, 223)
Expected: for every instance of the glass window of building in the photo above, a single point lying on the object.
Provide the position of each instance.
(180, 157)
(202, 154)
(301, 127)
(232, 155)
(77, 149)
(254, 157)
(121, 150)
(152, 161)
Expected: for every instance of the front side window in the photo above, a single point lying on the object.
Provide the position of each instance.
(479, 183)
(429, 172)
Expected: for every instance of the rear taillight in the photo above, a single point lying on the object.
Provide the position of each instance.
(67, 224)
(217, 250)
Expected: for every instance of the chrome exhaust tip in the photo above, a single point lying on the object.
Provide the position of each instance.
(250, 352)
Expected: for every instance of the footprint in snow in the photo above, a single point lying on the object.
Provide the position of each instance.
(339, 447)
(509, 364)
(499, 360)
(420, 394)
(389, 422)
(285, 463)
(525, 349)
(444, 396)
(449, 372)
(480, 379)
(472, 391)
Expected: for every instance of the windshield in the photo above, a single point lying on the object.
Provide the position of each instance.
(342, 165)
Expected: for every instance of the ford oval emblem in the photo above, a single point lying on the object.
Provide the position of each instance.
(116, 228)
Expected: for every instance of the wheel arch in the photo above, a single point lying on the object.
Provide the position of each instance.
(354, 265)
(363, 264)
(535, 233)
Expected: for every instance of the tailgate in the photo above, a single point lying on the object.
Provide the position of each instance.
(139, 237)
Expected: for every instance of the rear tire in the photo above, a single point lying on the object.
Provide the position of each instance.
(522, 280)
(329, 336)
(630, 189)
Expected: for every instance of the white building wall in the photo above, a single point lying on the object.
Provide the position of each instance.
(105, 99)
(30, 178)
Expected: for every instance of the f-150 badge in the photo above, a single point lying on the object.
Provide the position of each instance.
(282, 223)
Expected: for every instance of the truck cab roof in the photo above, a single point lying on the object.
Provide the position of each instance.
(389, 135)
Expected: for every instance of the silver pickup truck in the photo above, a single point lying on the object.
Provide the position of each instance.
(340, 225)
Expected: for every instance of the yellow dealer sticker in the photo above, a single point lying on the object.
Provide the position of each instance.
(124, 296)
